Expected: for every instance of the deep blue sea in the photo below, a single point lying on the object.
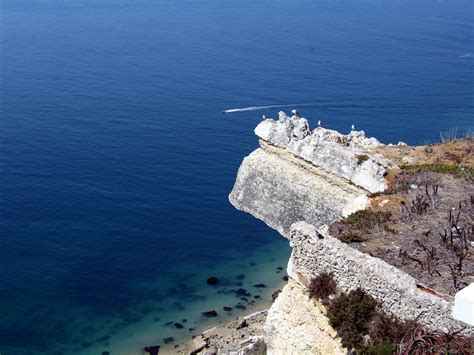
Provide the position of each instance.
(116, 160)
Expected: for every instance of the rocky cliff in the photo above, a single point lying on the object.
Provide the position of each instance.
(297, 182)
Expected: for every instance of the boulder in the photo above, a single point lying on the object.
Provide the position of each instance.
(212, 280)
(275, 295)
(209, 314)
(152, 350)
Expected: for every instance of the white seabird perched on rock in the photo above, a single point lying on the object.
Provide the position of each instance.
(264, 117)
(353, 127)
(294, 112)
(319, 123)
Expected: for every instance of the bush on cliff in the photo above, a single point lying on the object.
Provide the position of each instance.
(367, 219)
(349, 314)
(322, 286)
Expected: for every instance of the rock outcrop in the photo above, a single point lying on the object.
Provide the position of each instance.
(398, 293)
(280, 189)
(296, 325)
(346, 156)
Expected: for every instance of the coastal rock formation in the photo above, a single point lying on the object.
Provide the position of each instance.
(243, 336)
(398, 293)
(296, 325)
(280, 189)
(346, 156)
(298, 182)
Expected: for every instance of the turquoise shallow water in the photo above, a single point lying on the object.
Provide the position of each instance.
(116, 160)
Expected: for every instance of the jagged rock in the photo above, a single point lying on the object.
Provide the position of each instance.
(212, 281)
(152, 350)
(334, 152)
(275, 295)
(397, 292)
(285, 278)
(209, 314)
(295, 325)
(196, 345)
(242, 323)
(280, 189)
(254, 345)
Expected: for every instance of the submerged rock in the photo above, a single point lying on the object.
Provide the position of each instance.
(227, 309)
(285, 278)
(260, 285)
(212, 280)
(209, 314)
(152, 350)
(168, 340)
(178, 326)
(240, 306)
(242, 292)
(240, 277)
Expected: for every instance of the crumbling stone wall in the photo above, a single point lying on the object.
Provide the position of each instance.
(397, 292)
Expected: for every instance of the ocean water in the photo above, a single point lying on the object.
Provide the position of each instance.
(116, 159)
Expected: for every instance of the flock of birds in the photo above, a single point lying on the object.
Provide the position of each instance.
(296, 113)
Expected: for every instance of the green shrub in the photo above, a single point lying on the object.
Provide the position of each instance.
(367, 219)
(322, 286)
(351, 237)
(349, 314)
(438, 168)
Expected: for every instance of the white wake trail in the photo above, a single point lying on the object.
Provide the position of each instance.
(255, 108)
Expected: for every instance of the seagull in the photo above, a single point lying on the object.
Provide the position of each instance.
(353, 127)
(264, 117)
(294, 112)
(319, 123)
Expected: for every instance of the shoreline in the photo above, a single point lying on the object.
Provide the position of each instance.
(229, 336)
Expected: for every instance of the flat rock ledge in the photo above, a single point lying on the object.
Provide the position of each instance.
(275, 186)
(347, 156)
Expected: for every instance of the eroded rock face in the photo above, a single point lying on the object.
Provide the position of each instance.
(346, 156)
(315, 251)
(295, 325)
(280, 189)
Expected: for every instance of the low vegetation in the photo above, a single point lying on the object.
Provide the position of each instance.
(367, 219)
(322, 286)
(457, 170)
(423, 224)
(363, 327)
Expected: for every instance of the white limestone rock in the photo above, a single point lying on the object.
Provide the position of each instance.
(280, 189)
(295, 325)
(344, 155)
(315, 251)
